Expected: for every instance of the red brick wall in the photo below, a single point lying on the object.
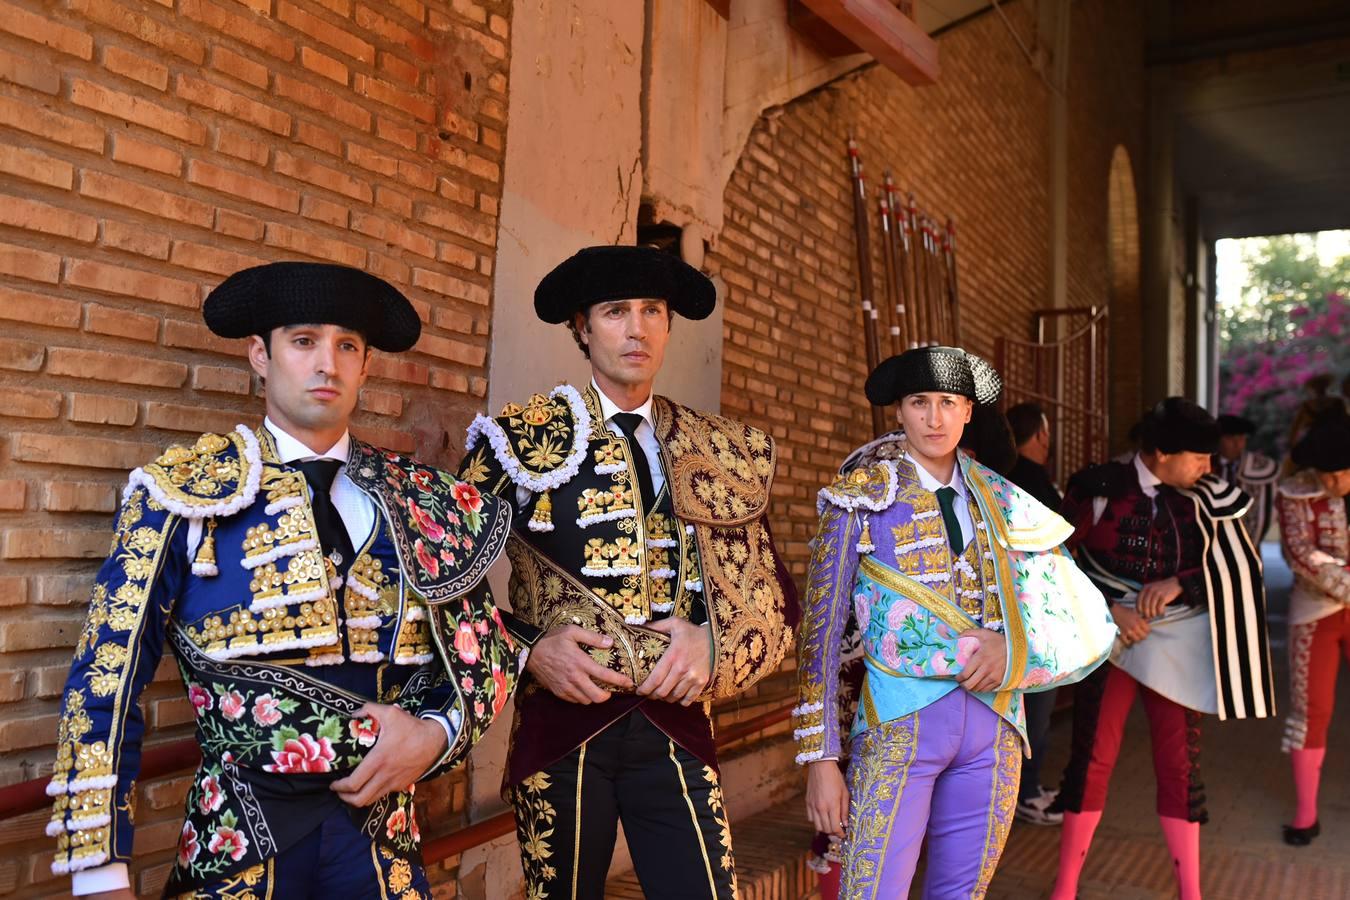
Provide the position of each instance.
(976, 147)
(147, 149)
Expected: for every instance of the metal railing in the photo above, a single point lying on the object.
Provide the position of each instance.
(1066, 375)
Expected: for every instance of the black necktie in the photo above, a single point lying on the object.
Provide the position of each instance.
(332, 533)
(947, 502)
(628, 423)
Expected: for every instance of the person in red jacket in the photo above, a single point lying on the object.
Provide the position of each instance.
(1312, 510)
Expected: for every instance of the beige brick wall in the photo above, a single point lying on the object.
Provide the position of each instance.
(148, 148)
(975, 146)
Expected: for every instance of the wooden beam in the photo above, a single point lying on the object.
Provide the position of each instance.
(879, 28)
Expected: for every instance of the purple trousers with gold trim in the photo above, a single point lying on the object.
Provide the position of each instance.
(949, 771)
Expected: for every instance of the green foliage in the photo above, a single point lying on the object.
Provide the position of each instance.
(1290, 324)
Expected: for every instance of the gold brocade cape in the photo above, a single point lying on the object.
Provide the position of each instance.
(583, 551)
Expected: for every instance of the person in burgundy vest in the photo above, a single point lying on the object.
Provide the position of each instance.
(1312, 506)
(1163, 540)
(645, 581)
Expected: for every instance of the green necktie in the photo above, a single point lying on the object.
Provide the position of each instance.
(947, 500)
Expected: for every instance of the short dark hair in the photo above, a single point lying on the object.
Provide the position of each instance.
(1027, 420)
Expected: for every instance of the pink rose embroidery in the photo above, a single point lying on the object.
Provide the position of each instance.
(467, 497)
(266, 711)
(365, 731)
(466, 643)
(862, 610)
(302, 754)
(466, 684)
(900, 610)
(1037, 676)
(232, 705)
(425, 559)
(230, 841)
(212, 795)
(965, 649)
(425, 524)
(396, 824)
(200, 697)
(479, 709)
(890, 650)
(188, 847)
(499, 691)
(938, 663)
(413, 830)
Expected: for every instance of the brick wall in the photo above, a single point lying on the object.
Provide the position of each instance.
(148, 148)
(975, 146)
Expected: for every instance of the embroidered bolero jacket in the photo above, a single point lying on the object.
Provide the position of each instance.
(277, 650)
(584, 551)
(882, 553)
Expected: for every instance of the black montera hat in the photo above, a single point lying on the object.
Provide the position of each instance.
(948, 370)
(596, 274)
(256, 300)
(1325, 446)
(1177, 425)
(1229, 424)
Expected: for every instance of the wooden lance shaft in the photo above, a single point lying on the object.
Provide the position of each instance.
(871, 340)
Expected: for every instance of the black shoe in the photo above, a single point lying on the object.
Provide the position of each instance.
(1301, 837)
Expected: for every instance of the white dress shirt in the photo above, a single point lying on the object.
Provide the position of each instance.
(960, 503)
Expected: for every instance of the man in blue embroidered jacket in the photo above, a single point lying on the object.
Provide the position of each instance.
(965, 600)
(324, 599)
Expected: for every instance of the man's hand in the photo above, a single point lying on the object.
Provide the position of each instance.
(987, 664)
(406, 748)
(684, 669)
(826, 797)
(558, 663)
(1133, 627)
(1154, 596)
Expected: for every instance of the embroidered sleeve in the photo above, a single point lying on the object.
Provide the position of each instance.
(539, 446)
(825, 616)
(475, 674)
(100, 730)
(1298, 528)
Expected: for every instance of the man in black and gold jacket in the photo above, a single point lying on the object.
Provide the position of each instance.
(325, 602)
(646, 580)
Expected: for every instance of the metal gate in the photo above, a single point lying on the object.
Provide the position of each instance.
(1064, 370)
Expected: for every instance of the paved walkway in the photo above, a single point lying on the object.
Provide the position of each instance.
(1250, 793)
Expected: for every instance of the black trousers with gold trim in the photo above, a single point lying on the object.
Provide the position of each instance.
(670, 804)
(333, 861)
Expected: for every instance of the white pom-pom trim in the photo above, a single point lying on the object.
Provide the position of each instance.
(290, 548)
(205, 570)
(614, 571)
(84, 823)
(368, 656)
(828, 495)
(282, 505)
(359, 587)
(612, 515)
(501, 447)
(694, 585)
(662, 543)
(800, 733)
(94, 783)
(56, 788)
(328, 659)
(635, 620)
(663, 607)
(415, 614)
(926, 515)
(368, 622)
(241, 499)
(418, 659)
(611, 468)
(804, 758)
(662, 574)
(65, 867)
(292, 599)
(539, 526)
(254, 649)
(807, 708)
(55, 828)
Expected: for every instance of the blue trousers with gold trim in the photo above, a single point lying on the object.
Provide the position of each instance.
(334, 860)
(670, 804)
(948, 771)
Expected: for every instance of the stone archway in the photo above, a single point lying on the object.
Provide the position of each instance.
(1122, 229)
